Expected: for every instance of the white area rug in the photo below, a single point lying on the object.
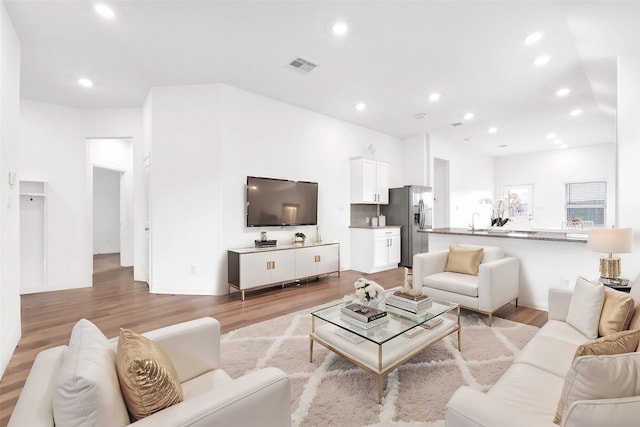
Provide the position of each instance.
(333, 392)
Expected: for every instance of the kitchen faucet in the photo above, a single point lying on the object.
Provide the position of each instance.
(473, 227)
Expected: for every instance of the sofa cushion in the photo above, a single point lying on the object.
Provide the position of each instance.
(599, 377)
(549, 354)
(617, 311)
(87, 391)
(563, 331)
(585, 307)
(464, 284)
(148, 380)
(621, 342)
(464, 260)
(532, 391)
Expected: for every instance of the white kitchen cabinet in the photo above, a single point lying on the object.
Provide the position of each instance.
(375, 249)
(253, 268)
(369, 181)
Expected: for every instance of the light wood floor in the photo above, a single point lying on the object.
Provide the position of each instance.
(117, 301)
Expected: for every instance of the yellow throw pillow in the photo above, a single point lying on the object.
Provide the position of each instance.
(464, 260)
(148, 380)
(617, 311)
(635, 320)
(618, 343)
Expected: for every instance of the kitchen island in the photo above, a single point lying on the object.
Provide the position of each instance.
(548, 259)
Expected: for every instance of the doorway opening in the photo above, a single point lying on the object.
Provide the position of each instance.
(111, 186)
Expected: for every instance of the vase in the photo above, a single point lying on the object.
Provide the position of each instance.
(375, 302)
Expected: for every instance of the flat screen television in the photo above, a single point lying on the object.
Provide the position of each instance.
(280, 202)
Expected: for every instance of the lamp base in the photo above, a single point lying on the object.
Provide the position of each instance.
(610, 267)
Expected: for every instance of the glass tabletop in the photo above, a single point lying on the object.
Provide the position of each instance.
(397, 325)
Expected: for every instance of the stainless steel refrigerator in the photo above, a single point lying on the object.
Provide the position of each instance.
(411, 207)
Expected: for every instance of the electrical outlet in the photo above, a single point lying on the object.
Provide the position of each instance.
(192, 270)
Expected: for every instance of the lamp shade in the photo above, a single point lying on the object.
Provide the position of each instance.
(611, 240)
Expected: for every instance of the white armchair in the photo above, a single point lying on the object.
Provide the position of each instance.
(496, 284)
(211, 397)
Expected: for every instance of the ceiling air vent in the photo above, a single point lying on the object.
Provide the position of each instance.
(302, 65)
(457, 124)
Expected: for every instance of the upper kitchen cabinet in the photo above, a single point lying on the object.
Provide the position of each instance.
(369, 181)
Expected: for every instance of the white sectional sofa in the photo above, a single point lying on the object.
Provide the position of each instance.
(211, 397)
(529, 391)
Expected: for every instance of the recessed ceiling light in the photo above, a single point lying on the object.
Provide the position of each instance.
(542, 60)
(533, 38)
(551, 135)
(469, 116)
(104, 11)
(434, 97)
(576, 112)
(361, 106)
(563, 92)
(557, 141)
(493, 129)
(84, 82)
(340, 28)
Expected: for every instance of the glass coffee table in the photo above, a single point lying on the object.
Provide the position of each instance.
(381, 349)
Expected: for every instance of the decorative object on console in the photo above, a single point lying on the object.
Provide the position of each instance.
(300, 237)
(266, 243)
(610, 240)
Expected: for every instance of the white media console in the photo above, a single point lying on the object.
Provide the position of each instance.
(253, 268)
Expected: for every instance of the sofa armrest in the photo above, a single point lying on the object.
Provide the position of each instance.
(621, 412)
(559, 300)
(260, 398)
(35, 404)
(498, 283)
(427, 264)
(472, 408)
(193, 346)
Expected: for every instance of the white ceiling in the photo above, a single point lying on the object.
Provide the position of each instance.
(394, 55)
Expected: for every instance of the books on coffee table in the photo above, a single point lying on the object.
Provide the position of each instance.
(362, 313)
(364, 325)
(417, 304)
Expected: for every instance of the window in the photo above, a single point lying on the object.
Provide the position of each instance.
(586, 201)
(519, 200)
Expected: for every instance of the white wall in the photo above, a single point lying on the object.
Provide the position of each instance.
(628, 159)
(9, 207)
(471, 178)
(54, 149)
(549, 171)
(106, 211)
(205, 140)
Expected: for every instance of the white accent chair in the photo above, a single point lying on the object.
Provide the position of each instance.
(496, 284)
(211, 397)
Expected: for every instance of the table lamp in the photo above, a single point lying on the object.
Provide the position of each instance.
(610, 240)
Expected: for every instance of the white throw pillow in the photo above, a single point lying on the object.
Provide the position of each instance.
(600, 377)
(87, 390)
(585, 307)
